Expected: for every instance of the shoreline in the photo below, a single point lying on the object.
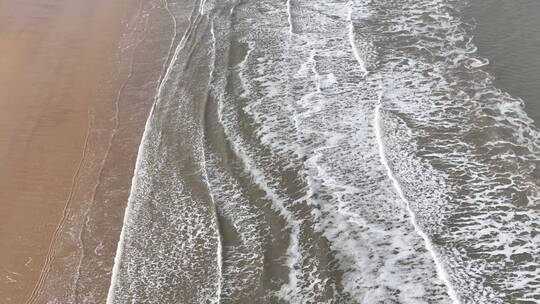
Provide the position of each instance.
(63, 225)
(88, 245)
(56, 57)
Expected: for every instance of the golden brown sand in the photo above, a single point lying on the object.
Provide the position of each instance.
(54, 57)
(86, 246)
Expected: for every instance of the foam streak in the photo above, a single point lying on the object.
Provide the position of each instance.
(443, 275)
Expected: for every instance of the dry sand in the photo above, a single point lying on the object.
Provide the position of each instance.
(62, 80)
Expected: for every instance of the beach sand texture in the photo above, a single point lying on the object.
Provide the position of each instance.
(301, 151)
(78, 81)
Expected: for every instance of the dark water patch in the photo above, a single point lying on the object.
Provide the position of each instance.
(508, 34)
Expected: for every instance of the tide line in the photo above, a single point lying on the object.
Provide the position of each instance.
(289, 17)
(140, 157)
(219, 249)
(441, 272)
(352, 41)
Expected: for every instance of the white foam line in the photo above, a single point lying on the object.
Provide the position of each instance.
(352, 41)
(441, 272)
(201, 7)
(294, 250)
(140, 157)
(219, 249)
(289, 17)
(314, 70)
(443, 275)
(219, 239)
(127, 214)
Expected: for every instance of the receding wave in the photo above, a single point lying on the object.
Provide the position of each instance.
(332, 152)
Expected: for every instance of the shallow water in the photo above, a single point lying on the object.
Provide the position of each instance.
(332, 152)
(508, 33)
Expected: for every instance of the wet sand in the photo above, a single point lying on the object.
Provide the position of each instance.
(77, 82)
(89, 241)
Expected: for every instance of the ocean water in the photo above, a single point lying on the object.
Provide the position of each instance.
(508, 33)
(332, 152)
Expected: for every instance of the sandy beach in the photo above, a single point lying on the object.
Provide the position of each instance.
(54, 57)
(77, 83)
(306, 151)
